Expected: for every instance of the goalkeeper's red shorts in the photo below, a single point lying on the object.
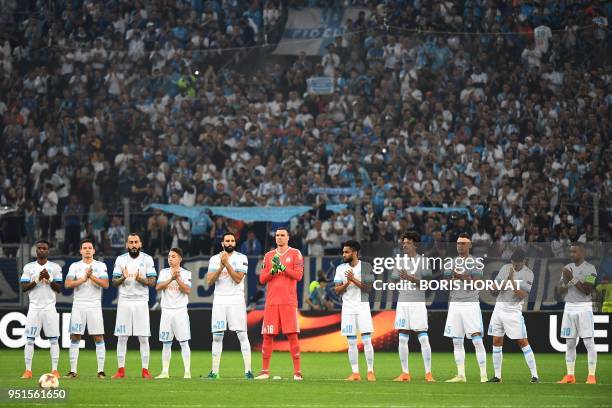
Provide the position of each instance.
(280, 319)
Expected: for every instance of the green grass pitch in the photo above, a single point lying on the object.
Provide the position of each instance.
(323, 385)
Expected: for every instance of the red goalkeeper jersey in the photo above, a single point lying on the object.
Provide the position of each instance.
(282, 287)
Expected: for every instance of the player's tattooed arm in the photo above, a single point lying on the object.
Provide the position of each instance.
(118, 280)
(146, 280)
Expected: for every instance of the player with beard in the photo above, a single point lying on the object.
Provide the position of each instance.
(133, 275)
(227, 270)
(353, 282)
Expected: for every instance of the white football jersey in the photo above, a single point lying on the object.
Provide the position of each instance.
(228, 292)
(173, 297)
(41, 296)
(88, 294)
(506, 299)
(141, 265)
(353, 300)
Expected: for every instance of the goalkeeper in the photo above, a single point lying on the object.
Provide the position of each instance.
(282, 269)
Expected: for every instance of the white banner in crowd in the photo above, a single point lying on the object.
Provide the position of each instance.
(312, 29)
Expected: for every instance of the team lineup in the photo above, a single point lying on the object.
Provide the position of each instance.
(134, 274)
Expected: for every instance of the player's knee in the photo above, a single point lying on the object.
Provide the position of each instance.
(588, 342)
(499, 341)
(53, 340)
(30, 341)
(423, 338)
(458, 341)
(97, 339)
(218, 337)
(144, 340)
(521, 342)
(76, 337)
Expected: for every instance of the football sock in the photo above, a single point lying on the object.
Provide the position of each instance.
(74, 354)
(425, 351)
(121, 350)
(459, 352)
(589, 344)
(570, 355)
(144, 351)
(166, 356)
(217, 349)
(498, 357)
(245, 349)
(403, 351)
(28, 353)
(266, 351)
(186, 353)
(101, 355)
(55, 352)
(530, 359)
(353, 353)
(481, 355)
(294, 347)
(368, 350)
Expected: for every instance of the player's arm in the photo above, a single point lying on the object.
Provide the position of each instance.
(296, 272)
(214, 271)
(72, 282)
(56, 286)
(266, 275)
(26, 282)
(120, 275)
(145, 280)
(163, 284)
(151, 274)
(365, 287)
(236, 276)
(502, 276)
(56, 283)
(101, 280)
(587, 285)
(71, 279)
(566, 276)
(340, 287)
(184, 286)
(522, 288)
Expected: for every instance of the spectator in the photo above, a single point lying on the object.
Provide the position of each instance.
(117, 236)
(319, 294)
(72, 222)
(316, 239)
(48, 206)
(251, 246)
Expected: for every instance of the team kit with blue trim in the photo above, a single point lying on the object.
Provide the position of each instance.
(134, 272)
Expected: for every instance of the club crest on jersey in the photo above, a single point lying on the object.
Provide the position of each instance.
(142, 264)
(288, 259)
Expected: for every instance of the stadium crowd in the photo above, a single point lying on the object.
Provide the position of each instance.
(499, 107)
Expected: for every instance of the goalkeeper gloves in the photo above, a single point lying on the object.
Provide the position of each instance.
(277, 266)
